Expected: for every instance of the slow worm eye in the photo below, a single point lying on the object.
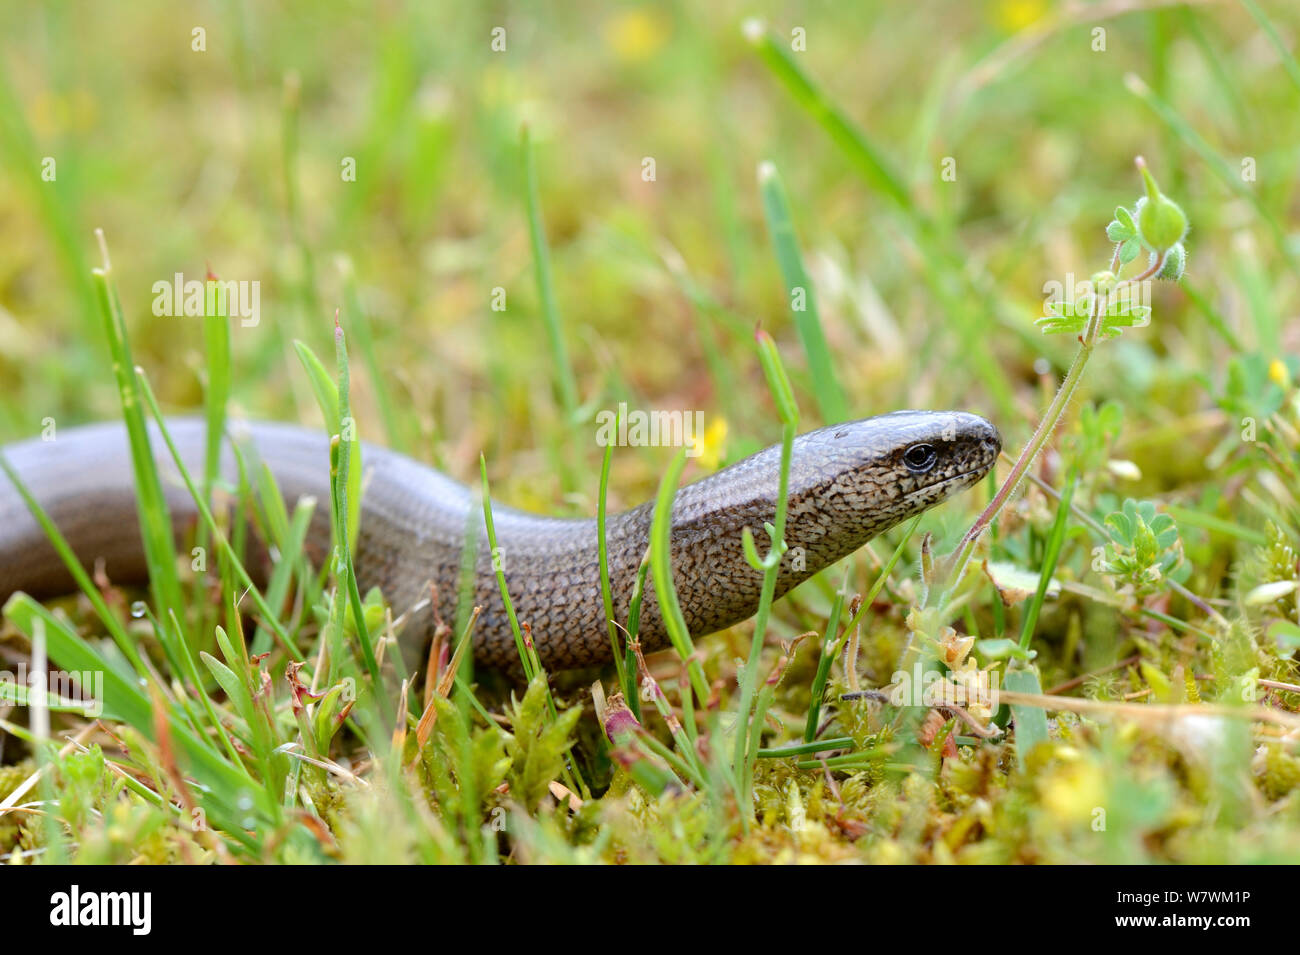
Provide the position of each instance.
(919, 458)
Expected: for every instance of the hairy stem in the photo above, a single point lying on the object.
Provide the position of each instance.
(1046, 427)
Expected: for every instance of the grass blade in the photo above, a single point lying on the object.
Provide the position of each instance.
(870, 161)
(626, 680)
(1288, 60)
(84, 583)
(359, 322)
(328, 399)
(216, 339)
(744, 756)
(944, 266)
(225, 786)
(565, 382)
(205, 514)
(670, 608)
(527, 655)
(1031, 721)
(1055, 540)
(345, 486)
(151, 504)
(801, 295)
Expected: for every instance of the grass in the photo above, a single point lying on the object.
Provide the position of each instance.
(803, 300)
(155, 526)
(762, 743)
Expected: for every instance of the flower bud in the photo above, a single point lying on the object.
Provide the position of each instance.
(1103, 282)
(1175, 263)
(618, 719)
(1161, 221)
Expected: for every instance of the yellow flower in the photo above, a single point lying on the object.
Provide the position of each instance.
(1277, 373)
(708, 447)
(635, 35)
(1072, 791)
(1015, 15)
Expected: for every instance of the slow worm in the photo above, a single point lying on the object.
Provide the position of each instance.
(848, 483)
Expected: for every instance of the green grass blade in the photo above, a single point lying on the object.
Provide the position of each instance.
(1211, 315)
(1288, 59)
(1031, 721)
(1055, 540)
(808, 746)
(1208, 522)
(527, 655)
(745, 754)
(670, 608)
(800, 295)
(824, 663)
(205, 514)
(151, 504)
(216, 396)
(326, 390)
(626, 680)
(216, 339)
(56, 209)
(290, 547)
(345, 485)
(869, 160)
(225, 785)
(359, 322)
(84, 583)
(565, 382)
(944, 266)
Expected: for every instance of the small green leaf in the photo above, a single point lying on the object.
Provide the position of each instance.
(1007, 575)
(1031, 721)
(1061, 324)
(1121, 527)
(1286, 635)
(1125, 315)
(325, 724)
(1161, 686)
(233, 686)
(1003, 648)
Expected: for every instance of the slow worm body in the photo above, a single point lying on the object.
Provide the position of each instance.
(848, 483)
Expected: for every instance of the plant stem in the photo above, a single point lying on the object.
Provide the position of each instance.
(1046, 426)
(749, 681)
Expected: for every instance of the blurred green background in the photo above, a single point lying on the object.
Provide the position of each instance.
(231, 158)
